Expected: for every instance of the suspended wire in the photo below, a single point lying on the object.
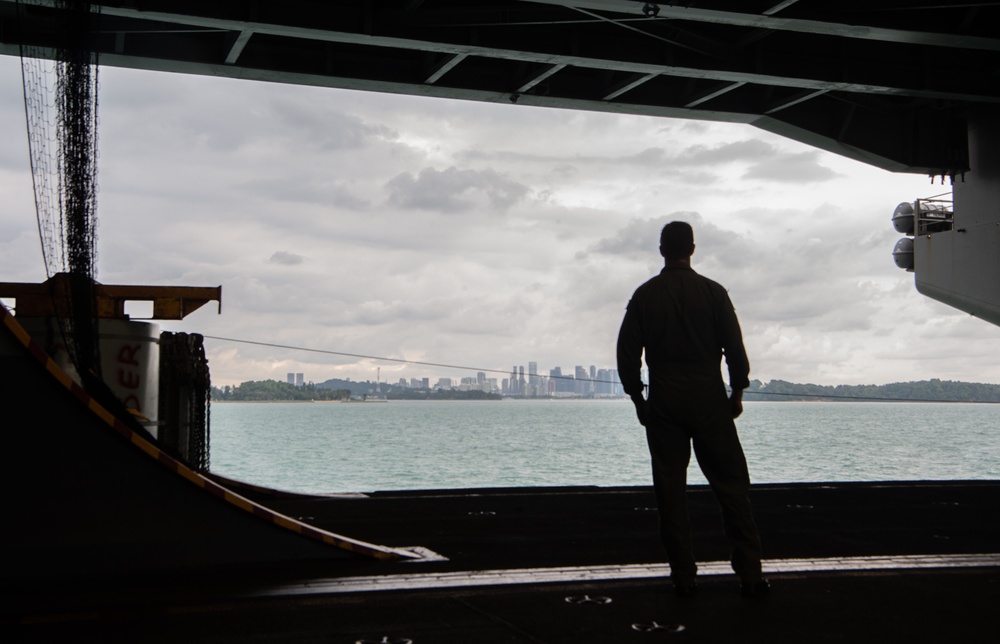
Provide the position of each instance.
(39, 81)
(399, 360)
(541, 23)
(568, 377)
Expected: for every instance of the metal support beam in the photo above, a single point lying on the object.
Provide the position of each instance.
(445, 67)
(238, 46)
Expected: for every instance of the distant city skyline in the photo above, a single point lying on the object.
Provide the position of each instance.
(583, 381)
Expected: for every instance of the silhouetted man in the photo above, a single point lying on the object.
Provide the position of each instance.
(686, 323)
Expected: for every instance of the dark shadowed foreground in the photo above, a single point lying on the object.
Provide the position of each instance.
(848, 562)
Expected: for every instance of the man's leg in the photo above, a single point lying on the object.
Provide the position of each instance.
(670, 450)
(721, 459)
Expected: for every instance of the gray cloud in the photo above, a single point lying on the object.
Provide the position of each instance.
(804, 167)
(701, 164)
(639, 236)
(215, 114)
(649, 156)
(747, 150)
(713, 244)
(317, 125)
(285, 258)
(454, 190)
(313, 190)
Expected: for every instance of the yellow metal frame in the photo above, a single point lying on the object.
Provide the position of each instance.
(51, 298)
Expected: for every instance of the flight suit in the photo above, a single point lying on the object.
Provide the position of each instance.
(686, 324)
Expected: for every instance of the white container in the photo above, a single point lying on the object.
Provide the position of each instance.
(130, 360)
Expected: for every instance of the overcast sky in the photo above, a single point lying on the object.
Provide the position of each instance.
(482, 235)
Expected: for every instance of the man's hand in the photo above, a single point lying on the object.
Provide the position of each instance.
(736, 402)
(640, 408)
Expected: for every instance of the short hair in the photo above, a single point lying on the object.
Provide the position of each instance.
(677, 240)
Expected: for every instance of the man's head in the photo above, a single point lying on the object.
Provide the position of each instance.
(677, 241)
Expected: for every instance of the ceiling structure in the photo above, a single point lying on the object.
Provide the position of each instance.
(887, 82)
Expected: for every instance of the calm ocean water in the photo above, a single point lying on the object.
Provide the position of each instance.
(364, 447)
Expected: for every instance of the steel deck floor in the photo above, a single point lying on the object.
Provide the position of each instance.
(888, 562)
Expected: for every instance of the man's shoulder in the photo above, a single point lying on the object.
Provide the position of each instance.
(668, 275)
(652, 283)
(713, 284)
(664, 279)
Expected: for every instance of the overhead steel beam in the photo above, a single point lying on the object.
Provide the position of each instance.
(238, 46)
(802, 97)
(646, 68)
(445, 67)
(548, 73)
(771, 22)
(636, 81)
(725, 89)
(890, 96)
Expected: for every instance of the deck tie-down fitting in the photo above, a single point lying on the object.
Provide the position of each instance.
(587, 599)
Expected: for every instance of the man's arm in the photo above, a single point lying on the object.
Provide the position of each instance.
(736, 402)
(630, 361)
(732, 346)
(736, 354)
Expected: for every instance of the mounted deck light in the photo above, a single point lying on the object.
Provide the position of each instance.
(902, 254)
(902, 218)
(904, 221)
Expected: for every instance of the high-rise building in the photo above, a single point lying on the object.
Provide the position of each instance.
(561, 383)
(291, 378)
(603, 383)
(300, 379)
(582, 381)
(534, 382)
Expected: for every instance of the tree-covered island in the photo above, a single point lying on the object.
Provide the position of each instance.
(934, 390)
(337, 390)
(261, 390)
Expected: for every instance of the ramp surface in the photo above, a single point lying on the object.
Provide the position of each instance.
(87, 494)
